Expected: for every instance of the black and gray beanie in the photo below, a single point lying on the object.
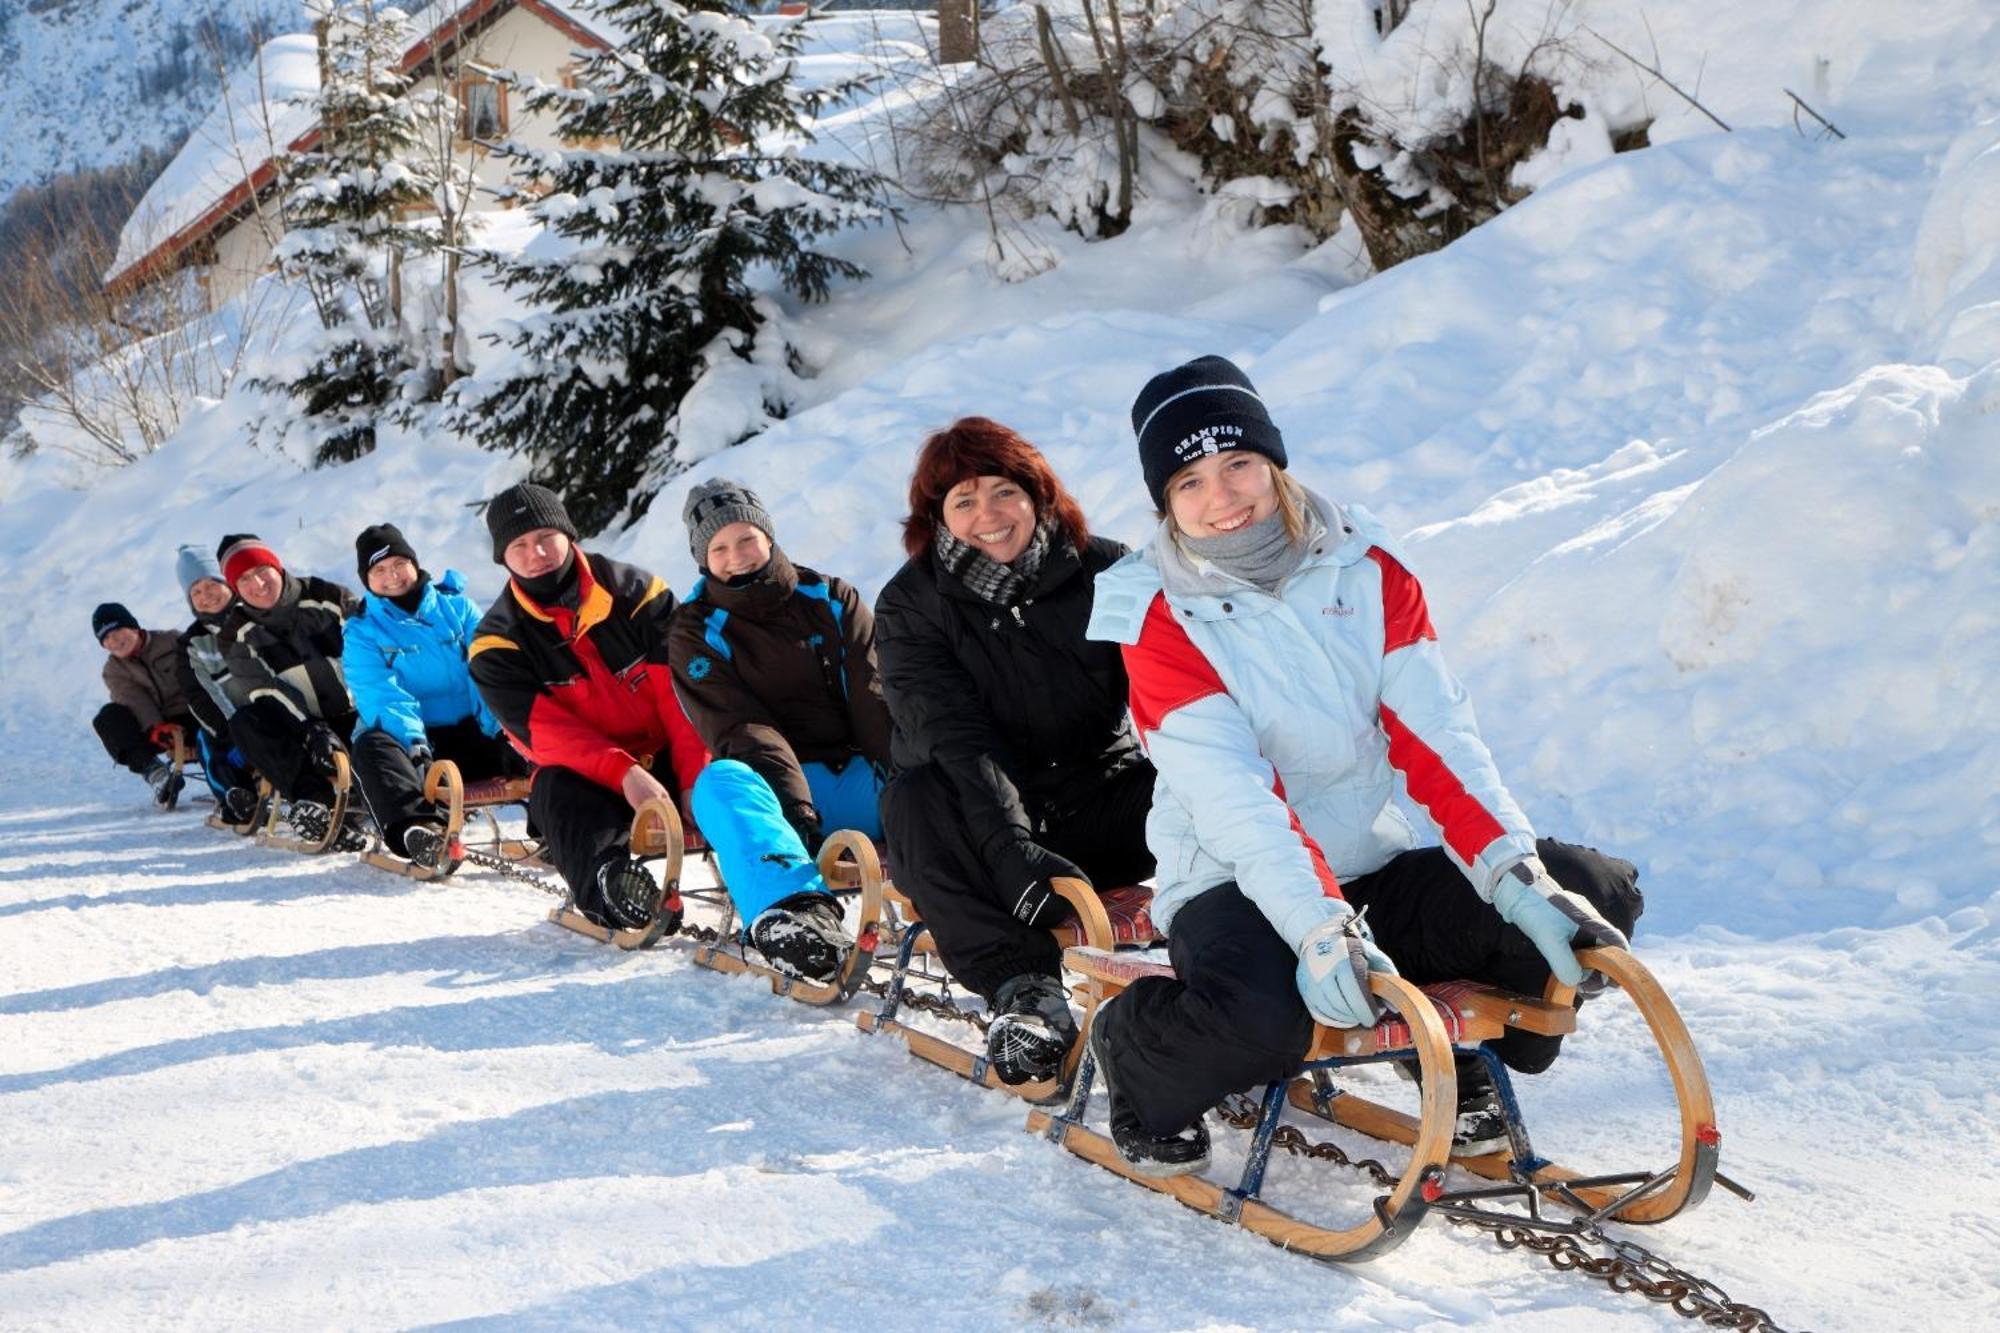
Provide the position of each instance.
(522, 508)
(111, 616)
(1204, 407)
(712, 506)
(377, 544)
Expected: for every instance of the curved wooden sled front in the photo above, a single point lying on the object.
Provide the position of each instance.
(847, 863)
(656, 835)
(269, 835)
(1092, 928)
(1678, 1188)
(1417, 1029)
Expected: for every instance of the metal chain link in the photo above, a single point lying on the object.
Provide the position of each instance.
(1628, 1266)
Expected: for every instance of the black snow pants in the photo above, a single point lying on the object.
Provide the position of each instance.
(394, 787)
(272, 740)
(933, 860)
(583, 825)
(1231, 1017)
(127, 742)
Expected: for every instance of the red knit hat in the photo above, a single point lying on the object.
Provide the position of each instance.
(240, 555)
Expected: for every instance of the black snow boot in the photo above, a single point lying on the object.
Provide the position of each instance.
(426, 845)
(1146, 1153)
(803, 936)
(1032, 1030)
(239, 805)
(166, 783)
(309, 820)
(627, 893)
(1480, 1127)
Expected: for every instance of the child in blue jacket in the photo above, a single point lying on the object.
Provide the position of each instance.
(405, 657)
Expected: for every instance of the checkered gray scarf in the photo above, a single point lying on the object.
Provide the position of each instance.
(990, 580)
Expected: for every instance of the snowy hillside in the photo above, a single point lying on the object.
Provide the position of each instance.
(89, 83)
(1695, 452)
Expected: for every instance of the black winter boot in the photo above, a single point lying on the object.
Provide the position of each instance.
(166, 783)
(628, 893)
(1481, 1127)
(1146, 1153)
(803, 936)
(426, 845)
(1032, 1030)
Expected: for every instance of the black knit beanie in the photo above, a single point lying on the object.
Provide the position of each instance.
(712, 506)
(520, 509)
(377, 544)
(1204, 407)
(111, 616)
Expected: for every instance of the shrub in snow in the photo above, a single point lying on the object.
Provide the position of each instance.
(645, 345)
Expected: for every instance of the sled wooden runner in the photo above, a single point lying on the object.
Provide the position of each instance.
(1118, 917)
(1421, 1027)
(269, 836)
(850, 866)
(656, 836)
(1672, 1191)
(444, 788)
(177, 751)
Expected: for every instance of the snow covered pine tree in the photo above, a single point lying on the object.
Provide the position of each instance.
(347, 206)
(680, 170)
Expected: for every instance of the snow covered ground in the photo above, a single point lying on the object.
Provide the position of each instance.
(1696, 454)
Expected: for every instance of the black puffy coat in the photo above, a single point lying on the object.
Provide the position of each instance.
(1023, 713)
(291, 652)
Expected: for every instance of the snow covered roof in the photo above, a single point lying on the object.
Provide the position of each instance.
(228, 161)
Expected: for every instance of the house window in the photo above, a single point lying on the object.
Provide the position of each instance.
(482, 109)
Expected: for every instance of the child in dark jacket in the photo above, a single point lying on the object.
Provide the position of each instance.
(148, 696)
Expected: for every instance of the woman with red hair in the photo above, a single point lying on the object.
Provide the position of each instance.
(1016, 762)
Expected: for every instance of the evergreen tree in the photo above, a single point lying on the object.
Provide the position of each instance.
(680, 171)
(346, 209)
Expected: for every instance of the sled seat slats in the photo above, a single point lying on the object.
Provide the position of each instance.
(497, 791)
(1129, 910)
(1469, 1010)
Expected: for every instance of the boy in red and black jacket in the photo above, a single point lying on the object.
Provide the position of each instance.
(573, 661)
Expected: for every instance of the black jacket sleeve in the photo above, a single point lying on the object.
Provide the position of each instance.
(939, 716)
(867, 712)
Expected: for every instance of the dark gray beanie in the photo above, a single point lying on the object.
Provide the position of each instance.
(521, 509)
(111, 616)
(712, 506)
(1204, 407)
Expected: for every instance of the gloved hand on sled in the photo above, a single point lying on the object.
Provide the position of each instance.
(321, 746)
(1335, 959)
(161, 734)
(805, 822)
(421, 757)
(1028, 872)
(1555, 920)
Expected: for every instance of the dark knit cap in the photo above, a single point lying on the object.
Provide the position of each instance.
(1204, 407)
(521, 509)
(377, 544)
(111, 616)
(241, 552)
(712, 506)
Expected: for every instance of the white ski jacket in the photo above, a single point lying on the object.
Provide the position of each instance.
(1279, 724)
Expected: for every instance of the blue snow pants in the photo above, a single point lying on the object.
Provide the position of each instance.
(222, 768)
(761, 857)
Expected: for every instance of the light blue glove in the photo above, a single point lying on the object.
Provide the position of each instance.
(1335, 959)
(1555, 920)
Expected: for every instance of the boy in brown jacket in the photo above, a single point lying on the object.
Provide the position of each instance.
(148, 694)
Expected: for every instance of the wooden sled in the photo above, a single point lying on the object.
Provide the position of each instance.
(1117, 918)
(849, 865)
(178, 755)
(444, 788)
(269, 836)
(1423, 1026)
(656, 835)
(1633, 1196)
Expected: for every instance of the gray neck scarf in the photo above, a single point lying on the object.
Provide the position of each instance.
(1262, 553)
(990, 580)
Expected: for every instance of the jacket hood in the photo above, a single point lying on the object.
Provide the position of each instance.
(1203, 592)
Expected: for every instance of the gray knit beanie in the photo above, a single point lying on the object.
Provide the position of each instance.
(521, 509)
(192, 564)
(712, 506)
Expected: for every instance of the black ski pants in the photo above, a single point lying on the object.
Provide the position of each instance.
(272, 740)
(934, 861)
(1231, 1017)
(127, 742)
(393, 785)
(583, 825)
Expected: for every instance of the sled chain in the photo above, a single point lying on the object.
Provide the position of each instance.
(500, 865)
(1627, 1265)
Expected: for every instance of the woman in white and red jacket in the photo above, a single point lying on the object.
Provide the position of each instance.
(1284, 674)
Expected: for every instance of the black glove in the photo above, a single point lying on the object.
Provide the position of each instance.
(420, 755)
(1026, 870)
(321, 746)
(805, 822)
